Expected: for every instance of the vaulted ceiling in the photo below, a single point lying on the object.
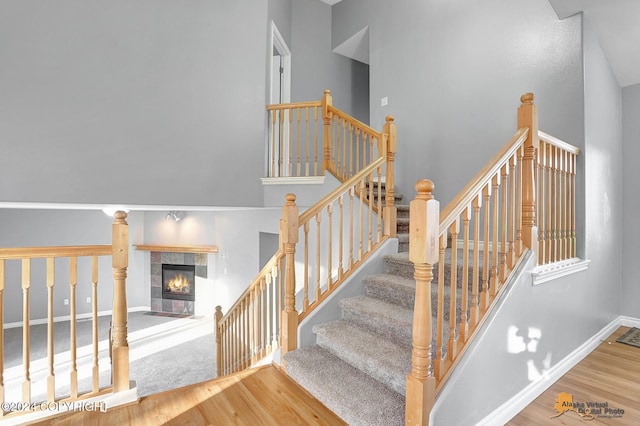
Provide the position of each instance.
(616, 24)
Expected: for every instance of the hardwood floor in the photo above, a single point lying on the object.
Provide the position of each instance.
(267, 396)
(610, 374)
(260, 396)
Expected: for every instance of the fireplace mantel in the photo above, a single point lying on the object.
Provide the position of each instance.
(176, 249)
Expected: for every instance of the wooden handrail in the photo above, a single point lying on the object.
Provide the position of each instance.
(558, 143)
(256, 282)
(294, 105)
(469, 192)
(355, 122)
(55, 251)
(501, 208)
(333, 195)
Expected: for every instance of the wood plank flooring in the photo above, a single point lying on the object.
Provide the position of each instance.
(260, 396)
(610, 374)
(267, 396)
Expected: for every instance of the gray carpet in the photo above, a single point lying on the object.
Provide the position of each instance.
(165, 353)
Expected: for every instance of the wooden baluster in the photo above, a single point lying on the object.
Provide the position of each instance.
(73, 281)
(327, 101)
(26, 285)
(361, 234)
(316, 155)
(464, 316)
(263, 313)
(452, 346)
(540, 196)
(329, 246)
(218, 317)
(423, 252)
(548, 207)
(505, 224)
(120, 261)
(241, 335)
(289, 238)
(379, 217)
(475, 297)
(94, 316)
(274, 139)
(438, 365)
(291, 142)
(345, 165)
(484, 291)
(51, 380)
(281, 152)
(268, 313)
(351, 192)
(512, 203)
(519, 201)
(554, 205)
(318, 251)
(2, 279)
(572, 203)
(370, 204)
(299, 152)
(566, 208)
(278, 289)
(390, 210)
(306, 268)
(340, 236)
(528, 117)
(359, 141)
(494, 238)
(306, 140)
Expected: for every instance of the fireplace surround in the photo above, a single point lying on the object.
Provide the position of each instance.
(175, 305)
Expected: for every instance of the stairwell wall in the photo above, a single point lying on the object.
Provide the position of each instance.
(630, 296)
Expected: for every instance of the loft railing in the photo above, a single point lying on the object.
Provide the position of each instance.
(118, 250)
(524, 198)
(309, 138)
(336, 235)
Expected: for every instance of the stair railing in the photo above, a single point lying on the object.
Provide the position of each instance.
(490, 223)
(309, 138)
(118, 250)
(320, 248)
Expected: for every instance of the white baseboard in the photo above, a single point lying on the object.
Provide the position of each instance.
(68, 317)
(519, 402)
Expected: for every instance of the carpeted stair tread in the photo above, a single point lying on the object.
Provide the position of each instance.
(391, 288)
(383, 359)
(403, 242)
(387, 319)
(402, 225)
(335, 383)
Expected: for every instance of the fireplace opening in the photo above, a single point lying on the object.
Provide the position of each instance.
(178, 282)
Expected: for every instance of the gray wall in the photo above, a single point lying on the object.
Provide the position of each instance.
(31, 227)
(631, 203)
(451, 68)
(100, 100)
(316, 68)
(565, 312)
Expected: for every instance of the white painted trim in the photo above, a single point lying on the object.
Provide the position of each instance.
(517, 403)
(544, 273)
(301, 180)
(61, 318)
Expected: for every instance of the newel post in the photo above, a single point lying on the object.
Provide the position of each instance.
(120, 261)
(528, 117)
(390, 212)
(218, 316)
(288, 240)
(424, 224)
(327, 101)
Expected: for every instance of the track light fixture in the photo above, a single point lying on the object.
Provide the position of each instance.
(172, 215)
